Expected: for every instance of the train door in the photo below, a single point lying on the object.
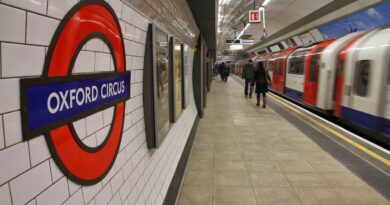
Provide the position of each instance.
(339, 83)
(295, 73)
(281, 69)
(312, 65)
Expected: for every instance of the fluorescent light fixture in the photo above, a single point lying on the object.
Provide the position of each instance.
(265, 2)
(236, 47)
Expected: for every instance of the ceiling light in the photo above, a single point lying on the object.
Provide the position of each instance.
(265, 2)
(236, 47)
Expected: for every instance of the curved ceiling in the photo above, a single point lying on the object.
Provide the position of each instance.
(233, 17)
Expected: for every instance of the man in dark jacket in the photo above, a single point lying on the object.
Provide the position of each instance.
(248, 73)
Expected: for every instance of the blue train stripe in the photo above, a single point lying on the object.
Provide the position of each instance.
(370, 122)
(294, 94)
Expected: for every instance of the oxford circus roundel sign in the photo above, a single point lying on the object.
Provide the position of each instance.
(51, 103)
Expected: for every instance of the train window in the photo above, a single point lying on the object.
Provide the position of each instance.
(362, 78)
(314, 65)
(297, 63)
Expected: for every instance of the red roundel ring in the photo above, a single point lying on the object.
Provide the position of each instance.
(86, 20)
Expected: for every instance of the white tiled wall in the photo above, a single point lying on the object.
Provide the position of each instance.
(28, 174)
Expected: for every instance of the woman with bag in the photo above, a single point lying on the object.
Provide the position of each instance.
(262, 80)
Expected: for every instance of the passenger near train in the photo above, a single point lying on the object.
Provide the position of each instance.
(348, 78)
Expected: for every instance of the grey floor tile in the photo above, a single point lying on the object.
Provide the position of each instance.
(234, 195)
(320, 196)
(200, 165)
(232, 179)
(229, 165)
(295, 166)
(269, 179)
(306, 180)
(277, 196)
(262, 166)
(198, 178)
(195, 195)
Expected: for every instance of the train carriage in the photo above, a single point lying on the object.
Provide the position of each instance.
(366, 90)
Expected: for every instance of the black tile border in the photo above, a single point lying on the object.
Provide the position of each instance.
(368, 173)
(174, 187)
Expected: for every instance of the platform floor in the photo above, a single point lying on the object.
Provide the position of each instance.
(244, 155)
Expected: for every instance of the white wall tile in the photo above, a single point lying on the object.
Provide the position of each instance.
(55, 194)
(21, 60)
(12, 128)
(101, 135)
(108, 115)
(127, 14)
(85, 62)
(58, 8)
(80, 128)
(38, 6)
(129, 32)
(120, 160)
(28, 185)
(129, 63)
(38, 150)
(104, 196)
(90, 191)
(109, 175)
(73, 187)
(90, 141)
(56, 173)
(95, 44)
(40, 29)
(94, 122)
(115, 200)
(134, 103)
(117, 5)
(116, 182)
(13, 161)
(75, 199)
(127, 123)
(102, 62)
(2, 144)
(12, 30)
(5, 195)
(136, 89)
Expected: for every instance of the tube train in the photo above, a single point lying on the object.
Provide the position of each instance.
(348, 78)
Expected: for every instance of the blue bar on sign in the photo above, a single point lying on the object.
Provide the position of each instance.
(55, 101)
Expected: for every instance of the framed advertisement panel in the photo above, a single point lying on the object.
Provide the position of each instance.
(156, 86)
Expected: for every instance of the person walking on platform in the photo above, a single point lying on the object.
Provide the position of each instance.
(262, 80)
(220, 70)
(225, 73)
(248, 74)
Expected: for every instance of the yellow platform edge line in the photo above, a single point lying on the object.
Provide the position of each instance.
(335, 133)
